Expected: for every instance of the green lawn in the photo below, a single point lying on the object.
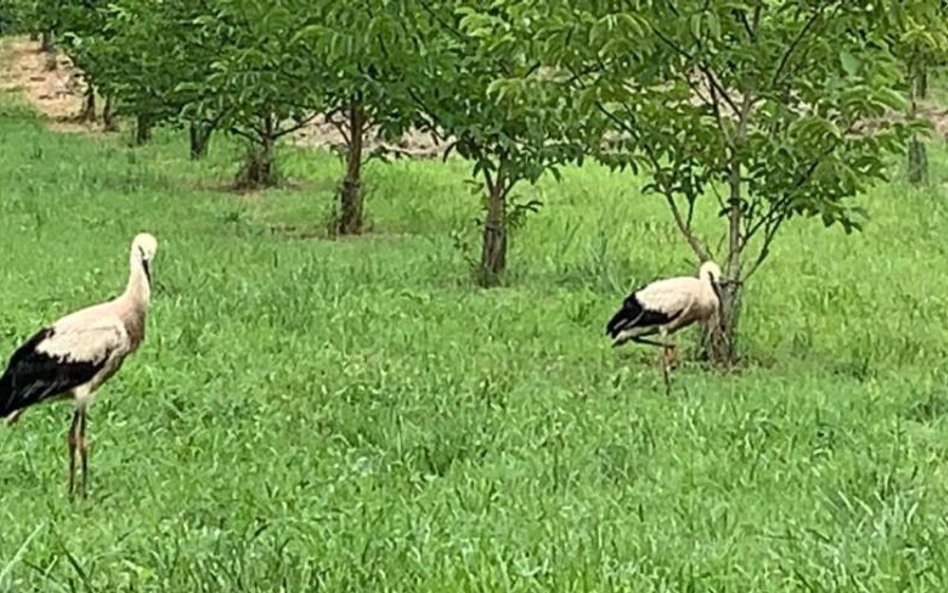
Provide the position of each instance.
(353, 415)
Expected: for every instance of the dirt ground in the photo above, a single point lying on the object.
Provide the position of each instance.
(58, 95)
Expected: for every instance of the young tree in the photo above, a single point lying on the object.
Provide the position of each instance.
(511, 137)
(920, 39)
(82, 27)
(261, 85)
(364, 57)
(149, 51)
(759, 109)
(43, 18)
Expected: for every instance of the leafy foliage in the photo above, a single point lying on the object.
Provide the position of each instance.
(511, 135)
(261, 82)
(366, 60)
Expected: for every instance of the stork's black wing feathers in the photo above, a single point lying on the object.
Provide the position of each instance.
(32, 376)
(634, 314)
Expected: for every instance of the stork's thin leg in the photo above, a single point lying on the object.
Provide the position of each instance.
(83, 450)
(663, 361)
(671, 356)
(72, 440)
(666, 348)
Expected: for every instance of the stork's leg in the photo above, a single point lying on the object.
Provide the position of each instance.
(671, 356)
(665, 359)
(73, 440)
(83, 449)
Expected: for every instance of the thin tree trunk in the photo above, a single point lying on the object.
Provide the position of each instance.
(259, 170)
(142, 130)
(108, 116)
(723, 333)
(722, 345)
(917, 151)
(88, 109)
(48, 46)
(267, 169)
(200, 135)
(494, 252)
(350, 194)
(51, 62)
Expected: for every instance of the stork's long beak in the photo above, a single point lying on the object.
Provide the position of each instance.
(146, 266)
(716, 287)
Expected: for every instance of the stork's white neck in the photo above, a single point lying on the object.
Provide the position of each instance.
(138, 290)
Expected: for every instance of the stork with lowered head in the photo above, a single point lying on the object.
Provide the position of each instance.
(665, 307)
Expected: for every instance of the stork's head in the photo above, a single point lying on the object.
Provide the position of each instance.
(144, 248)
(711, 273)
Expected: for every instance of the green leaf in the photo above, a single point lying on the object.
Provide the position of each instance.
(849, 62)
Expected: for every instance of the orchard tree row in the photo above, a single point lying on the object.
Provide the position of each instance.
(762, 110)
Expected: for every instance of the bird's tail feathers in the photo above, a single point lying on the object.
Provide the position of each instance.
(7, 401)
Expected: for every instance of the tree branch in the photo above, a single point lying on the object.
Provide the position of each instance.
(785, 58)
(714, 85)
(243, 134)
(297, 126)
(696, 244)
(340, 127)
(716, 106)
(742, 17)
(769, 234)
(758, 10)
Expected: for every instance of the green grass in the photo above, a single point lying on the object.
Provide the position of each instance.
(354, 416)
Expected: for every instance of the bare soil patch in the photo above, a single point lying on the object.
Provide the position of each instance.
(57, 94)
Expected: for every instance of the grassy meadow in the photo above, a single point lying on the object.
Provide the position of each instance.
(353, 415)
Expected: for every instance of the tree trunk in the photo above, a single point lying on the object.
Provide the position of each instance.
(48, 47)
(51, 62)
(142, 130)
(918, 161)
(917, 152)
(88, 109)
(108, 116)
(722, 335)
(350, 194)
(46, 41)
(259, 170)
(200, 135)
(723, 332)
(494, 253)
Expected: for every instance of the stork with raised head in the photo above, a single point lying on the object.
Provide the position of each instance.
(666, 306)
(75, 355)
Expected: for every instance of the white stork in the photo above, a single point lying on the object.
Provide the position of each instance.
(666, 306)
(75, 355)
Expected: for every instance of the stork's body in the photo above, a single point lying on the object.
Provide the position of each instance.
(75, 355)
(665, 307)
